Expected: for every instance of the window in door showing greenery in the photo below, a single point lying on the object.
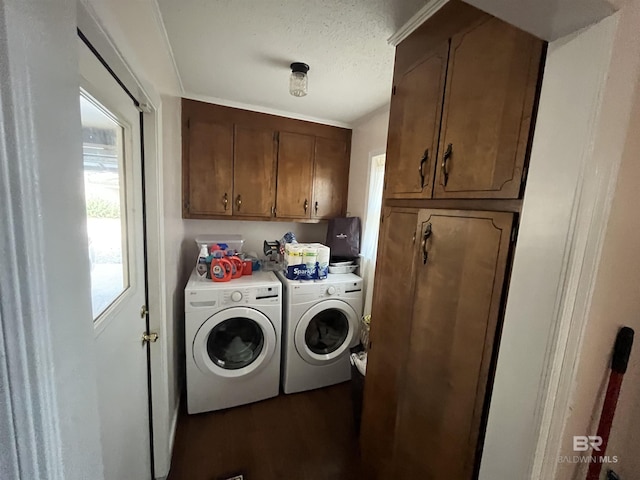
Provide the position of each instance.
(103, 157)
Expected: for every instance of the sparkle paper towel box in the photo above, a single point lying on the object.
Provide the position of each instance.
(306, 261)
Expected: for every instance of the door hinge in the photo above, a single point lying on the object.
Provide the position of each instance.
(150, 337)
(393, 90)
(144, 108)
(525, 172)
(144, 311)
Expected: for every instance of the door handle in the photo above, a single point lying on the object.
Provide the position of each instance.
(423, 160)
(239, 202)
(316, 207)
(445, 164)
(425, 237)
(225, 201)
(306, 205)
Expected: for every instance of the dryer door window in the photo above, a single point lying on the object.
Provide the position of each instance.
(327, 331)
(235, 343)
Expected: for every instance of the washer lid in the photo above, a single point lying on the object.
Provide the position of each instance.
(326, 331)
(235, 342)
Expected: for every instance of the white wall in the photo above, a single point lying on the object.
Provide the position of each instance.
(569, 111)
(173, 235)
(369, 137)
(615, 299)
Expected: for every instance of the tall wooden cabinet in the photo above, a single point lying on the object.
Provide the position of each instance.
(460, 126)
(438, 291)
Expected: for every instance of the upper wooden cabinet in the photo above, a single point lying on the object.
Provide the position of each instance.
(414, 125)
(255, 154)
(208, 169)
(295, 175)
(331, 178)
(488, 105)
(254, 166)
(466, 137)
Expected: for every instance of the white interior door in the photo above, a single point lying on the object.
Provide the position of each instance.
(113, 188)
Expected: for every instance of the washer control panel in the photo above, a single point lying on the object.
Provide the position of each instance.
(251, 296)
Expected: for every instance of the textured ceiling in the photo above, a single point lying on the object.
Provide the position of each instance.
(239, 51)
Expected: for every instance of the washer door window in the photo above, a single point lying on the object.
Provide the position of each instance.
(234, 343)
(326, 331)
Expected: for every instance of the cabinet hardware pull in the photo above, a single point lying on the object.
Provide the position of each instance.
(225, 201)
(445, 164)
(239, 202)
(316, 207)
(306, 205)
(423, 160)
(425, 237)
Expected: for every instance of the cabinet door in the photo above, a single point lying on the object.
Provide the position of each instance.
(489, 98)
(254, 172)
(458, 292)
(208, 174)
(414, 125)
(331, 178)
(391, 321)
(295, 172)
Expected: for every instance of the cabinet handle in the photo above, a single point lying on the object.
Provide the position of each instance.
(425, 237)
(225, 201)
(445, 164)
(239, 202)
(306, 205)
(423, 160)
(316, 207)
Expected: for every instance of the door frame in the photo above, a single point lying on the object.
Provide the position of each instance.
(163, 422)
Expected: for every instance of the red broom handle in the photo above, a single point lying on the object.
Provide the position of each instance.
(619, 362)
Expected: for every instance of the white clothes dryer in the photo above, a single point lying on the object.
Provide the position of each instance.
(321, 323)
(232, 337)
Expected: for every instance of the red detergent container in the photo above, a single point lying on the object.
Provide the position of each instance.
(237, 263)
(221, 268)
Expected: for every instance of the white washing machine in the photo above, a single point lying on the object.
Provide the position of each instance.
(232, 336)
(321, 323)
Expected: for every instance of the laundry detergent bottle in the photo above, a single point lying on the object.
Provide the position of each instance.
(238, 264)
(221, 268)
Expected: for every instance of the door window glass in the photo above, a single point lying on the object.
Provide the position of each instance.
(235, 343)
(327, 331)
(103, 157)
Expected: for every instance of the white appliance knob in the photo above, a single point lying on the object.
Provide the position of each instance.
(331, 290)
(236, 296)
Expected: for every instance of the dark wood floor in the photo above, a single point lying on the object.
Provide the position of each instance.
(304, 436)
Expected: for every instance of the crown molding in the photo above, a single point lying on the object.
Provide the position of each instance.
(414, 22)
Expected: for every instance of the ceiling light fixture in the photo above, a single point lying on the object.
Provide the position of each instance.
(298, 80)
